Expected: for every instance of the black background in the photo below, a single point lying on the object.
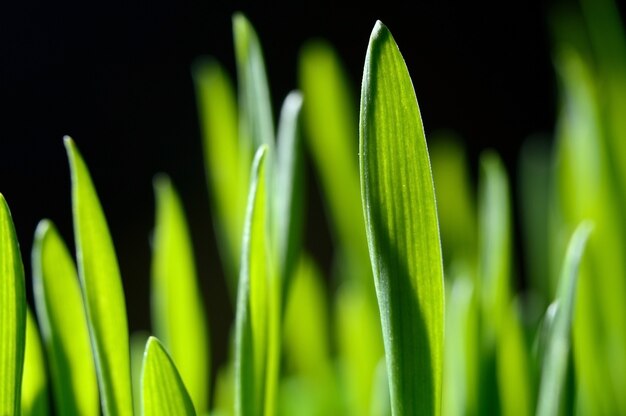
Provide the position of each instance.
(116, 77)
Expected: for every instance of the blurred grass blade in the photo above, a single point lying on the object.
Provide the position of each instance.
(558, 343)
(163, 391)
(12, 315)
(403, 234)
(256, 122)
(59, 307)
(381, 402)
(331, 131)
(177, 312)
(254, 319)
(102, 290)
(288, 192)
(455, 198)
(226, 160)
(224, 391)
(138, 342)
(35, 382)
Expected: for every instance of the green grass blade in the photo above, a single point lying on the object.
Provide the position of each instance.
(329, 118)
(403, 234)
(138, 342)
(177, 312)
(163, 390)
(288, 192)
(35, 382)
(252, 318)
(59, 307)
(12, 315)
(102, 290)
(558, 342)
(257, 122)
(381, 402)
(226, 160)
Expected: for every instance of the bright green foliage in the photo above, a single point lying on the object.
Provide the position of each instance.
(35, 382)
(12, 315)
(177, 312)
(558, 343)
(163, 392)
(227, 160)
(102, 290)
(138, 342)
(63, 325)
(403, 233)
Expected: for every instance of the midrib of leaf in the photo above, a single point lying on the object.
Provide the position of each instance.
(12, 315)
(402, 229)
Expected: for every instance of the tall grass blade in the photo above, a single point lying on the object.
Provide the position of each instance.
(138, 342)
(558, 341)
(35, 382)
(402, 229)
(177, 312)
(226, 160)
(59, 307)
(102, 290)
(163, 390)
(12, 315)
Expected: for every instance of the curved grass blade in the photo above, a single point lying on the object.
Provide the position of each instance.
(402, 229)
(12, 315)
(226, 160)
(138, 342)
(163, 390)
(102, 290)
(256, 122)
(177, 312)
(255, 368)
(288, 188)
(558, 341)
(35, 382)
(64, 329)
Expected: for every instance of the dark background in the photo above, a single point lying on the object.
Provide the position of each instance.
(116, 77)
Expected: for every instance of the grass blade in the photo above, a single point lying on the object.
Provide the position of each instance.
(102, 290)
(35, 383)
(12, 315)
(288, 192)
(59, 307)
(558, 340)
(401, 223)
(138, 342)
(163, 390)
(177, 312)
(226, 160)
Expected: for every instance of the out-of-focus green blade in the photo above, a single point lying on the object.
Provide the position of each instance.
(256, 120)
(381, 401)
(177, 312)
(331, 131)
(455, 202)
(224, 391)
(12, 315)
(59, 307)
(35, 382)
(226, 160)
(288, 192)
(102, 290)
(513, 366)
(402, 229)
(558, 342)
(138, 342)
(163, 392)
(257, 320)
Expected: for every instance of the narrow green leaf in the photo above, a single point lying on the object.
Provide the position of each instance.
(64, 329)
(12, 315)
(558, 341)
(402, 229)
(163, 390)
(329, 118)
(256, 122)
(381, 402)
(138, 342)
(288, 192)
(226, 160)
(35, 382)
(257, 319)
(177, 312)
(102, 290)
(224, 391)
